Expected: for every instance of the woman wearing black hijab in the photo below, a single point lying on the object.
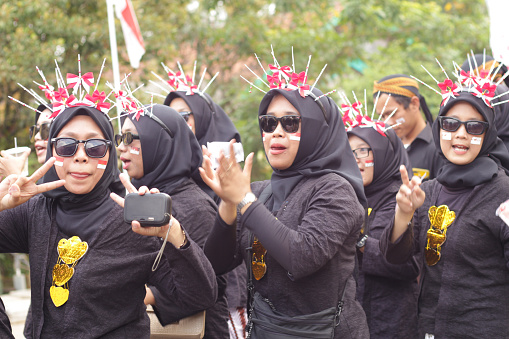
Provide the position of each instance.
(78, 224)
(303, 231)
(207, 120)
(451, 223)
(209, 123)
(387, 292)
(167, 162)
(479, 63)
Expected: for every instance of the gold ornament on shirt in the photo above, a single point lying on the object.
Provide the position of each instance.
(258, 260)
(440, 218)
(69, 252)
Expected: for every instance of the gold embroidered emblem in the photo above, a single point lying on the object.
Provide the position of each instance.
(69, 252)
(440, 218)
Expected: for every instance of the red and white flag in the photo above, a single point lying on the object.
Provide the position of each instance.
(132, 35)
(59, 161)
(102, 164)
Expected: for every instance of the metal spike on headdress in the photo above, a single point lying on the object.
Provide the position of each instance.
(59, 99)
(479, 81)
(285, 77)
(353, 115)
(178, 81)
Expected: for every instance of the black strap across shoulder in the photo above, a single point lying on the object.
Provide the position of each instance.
(263, 198)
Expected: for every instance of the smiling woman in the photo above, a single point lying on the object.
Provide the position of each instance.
(301, 233)
(80, 171)
(450, 222)
(86, 262)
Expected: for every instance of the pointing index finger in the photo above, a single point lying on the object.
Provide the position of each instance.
(404, 175)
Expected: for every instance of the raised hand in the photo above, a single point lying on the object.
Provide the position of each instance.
(15, 189)
(409, 198)
(175, 236)
(229, 181)
(410, 195)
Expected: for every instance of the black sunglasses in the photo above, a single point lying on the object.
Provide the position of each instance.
(127, 138)
(185, 115)
(43, 128)
(290, 123)
(94, 148)
(473, 127)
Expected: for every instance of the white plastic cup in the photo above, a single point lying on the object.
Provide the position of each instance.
(18, 152)
(217, 146)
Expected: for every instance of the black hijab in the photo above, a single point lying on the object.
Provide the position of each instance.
(323, 147)
(388, 155)
(502, 110)
(40, 108)
(211, 122)
(167, 161)
(81, 214)
(492, 156)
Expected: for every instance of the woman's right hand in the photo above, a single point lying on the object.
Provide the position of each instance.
(410, 195)
(15, 189)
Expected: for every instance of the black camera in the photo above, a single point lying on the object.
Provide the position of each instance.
(150, 210)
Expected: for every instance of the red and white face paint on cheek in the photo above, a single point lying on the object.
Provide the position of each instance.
(263, 136)
(102, 164)
(369, 163)
(446, 136)
(400, 120)
(59, 161)
(476, 140)
(134, 150)
(295, 136)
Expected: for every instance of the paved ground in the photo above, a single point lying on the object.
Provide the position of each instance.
(16, 305)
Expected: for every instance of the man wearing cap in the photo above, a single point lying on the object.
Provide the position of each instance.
(401, 93)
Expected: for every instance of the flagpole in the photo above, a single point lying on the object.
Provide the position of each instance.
(114, 56)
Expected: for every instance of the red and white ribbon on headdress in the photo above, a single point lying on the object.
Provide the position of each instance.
(74, 81)
(449, 90)
(486, 92)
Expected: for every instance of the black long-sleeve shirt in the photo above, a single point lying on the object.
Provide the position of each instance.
(472, 291)
(107, 289)
(310, 246)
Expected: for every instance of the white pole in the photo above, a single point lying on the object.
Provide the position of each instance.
(114, 55)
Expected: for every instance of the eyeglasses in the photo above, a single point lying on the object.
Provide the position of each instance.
(473, 127)
(441, 218)
(290, 123)
(94, 148)
(127, 138)
(43, 128)
(361, 153)
(185, 115)
(258, 265)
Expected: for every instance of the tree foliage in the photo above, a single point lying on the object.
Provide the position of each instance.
(360, 41)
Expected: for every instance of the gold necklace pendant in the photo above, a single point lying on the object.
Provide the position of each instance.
(69, 252)
(72, 249)
(258, 265)
(59, 295)
(440, 218)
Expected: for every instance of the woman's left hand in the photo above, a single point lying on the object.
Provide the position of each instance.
(229, 181)
(176, 236)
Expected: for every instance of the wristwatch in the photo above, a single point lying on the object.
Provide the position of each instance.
(248, 198)
(362, 242)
